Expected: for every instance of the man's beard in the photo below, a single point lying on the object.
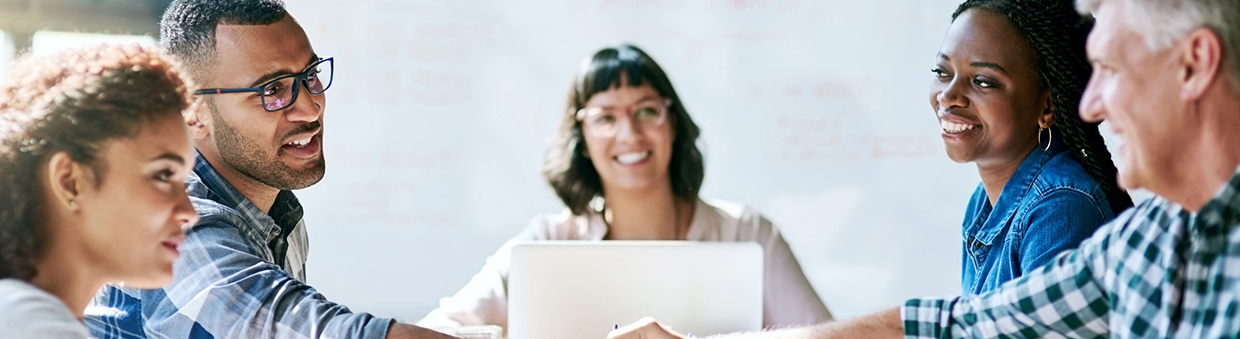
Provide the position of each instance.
(247, 157)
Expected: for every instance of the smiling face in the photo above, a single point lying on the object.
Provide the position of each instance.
(133, 218)
(1135, 91)
(635, 157)
(282, 149)
(986, 93)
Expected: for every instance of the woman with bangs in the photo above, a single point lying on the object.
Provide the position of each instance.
(627, 167)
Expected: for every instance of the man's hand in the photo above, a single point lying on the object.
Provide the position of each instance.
(646, 328)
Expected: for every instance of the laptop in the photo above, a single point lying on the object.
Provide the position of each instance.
(580, 289)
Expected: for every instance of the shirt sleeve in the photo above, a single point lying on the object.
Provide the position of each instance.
(222, 289)
(484, 300)
(789, 299)
(1058, 222)
(1063, 299)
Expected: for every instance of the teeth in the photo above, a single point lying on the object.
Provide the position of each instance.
(631, 158)
(301, 143)
(953, 128)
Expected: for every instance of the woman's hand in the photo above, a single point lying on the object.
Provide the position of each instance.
(646, 328)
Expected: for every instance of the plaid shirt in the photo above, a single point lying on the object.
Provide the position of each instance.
(241, 275)
(1156, 271)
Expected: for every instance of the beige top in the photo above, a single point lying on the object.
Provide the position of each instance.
(788, 297)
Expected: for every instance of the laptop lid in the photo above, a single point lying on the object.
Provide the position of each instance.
(580, 289)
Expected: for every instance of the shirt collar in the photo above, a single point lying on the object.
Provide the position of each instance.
(1222, 213)
(205, 182)
(993, 220)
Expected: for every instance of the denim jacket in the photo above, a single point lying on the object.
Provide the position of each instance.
(1048, 206)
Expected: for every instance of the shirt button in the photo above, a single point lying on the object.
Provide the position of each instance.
(977, 243)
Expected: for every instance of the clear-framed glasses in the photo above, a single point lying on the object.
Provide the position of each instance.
(604, 121)
(279, 93)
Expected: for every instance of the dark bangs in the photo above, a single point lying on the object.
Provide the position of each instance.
(610, 66)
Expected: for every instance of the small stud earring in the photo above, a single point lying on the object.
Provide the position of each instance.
(72, 203)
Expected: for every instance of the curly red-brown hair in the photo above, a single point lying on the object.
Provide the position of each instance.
(72, 102)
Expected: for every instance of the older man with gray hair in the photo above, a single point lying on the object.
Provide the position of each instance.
(1166, 76)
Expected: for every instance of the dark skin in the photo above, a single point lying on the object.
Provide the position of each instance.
(251, 55)
(246, 56)
(986, 77)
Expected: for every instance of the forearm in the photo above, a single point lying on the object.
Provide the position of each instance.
(884, 324)
(406, 331)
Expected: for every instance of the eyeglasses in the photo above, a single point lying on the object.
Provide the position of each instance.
(280, 93)
(602, 121)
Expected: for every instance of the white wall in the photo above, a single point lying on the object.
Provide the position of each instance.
(6, 52)
(48, 42)
(814, 112)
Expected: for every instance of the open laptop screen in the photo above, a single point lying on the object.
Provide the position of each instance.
(580, 289)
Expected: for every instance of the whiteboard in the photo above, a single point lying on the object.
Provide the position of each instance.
(816, 113)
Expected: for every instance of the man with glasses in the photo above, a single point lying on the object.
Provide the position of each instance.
(259, 136)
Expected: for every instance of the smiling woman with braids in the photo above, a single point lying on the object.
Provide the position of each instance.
(1007, 84)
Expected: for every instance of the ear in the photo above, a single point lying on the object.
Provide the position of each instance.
(1200, 58)
(67, 179)
(198, 118)
(1047, 119)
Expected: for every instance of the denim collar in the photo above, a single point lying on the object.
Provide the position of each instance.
(992, 220)
(206, 183)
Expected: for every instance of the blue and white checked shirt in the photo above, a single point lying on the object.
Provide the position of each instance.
(1156, 271)
(241, 275)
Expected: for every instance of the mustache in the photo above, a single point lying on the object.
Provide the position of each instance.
(303, 128)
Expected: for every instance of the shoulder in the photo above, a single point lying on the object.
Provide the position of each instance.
(26, 311)
(1148, 219)
(1064, 183)
(1063, 172)
(736, 220)
(207, 203)
(217, 222)
(1152, 224)
(559, 226)
(18, 297)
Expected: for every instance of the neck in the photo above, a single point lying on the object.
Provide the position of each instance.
(67, 274)
(257, 193)
(1210, 156)
(995, 175)
(647, 214)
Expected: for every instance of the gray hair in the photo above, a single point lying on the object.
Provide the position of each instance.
(1162, 22)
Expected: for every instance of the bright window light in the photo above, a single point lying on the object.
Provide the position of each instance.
(6, 53)
(45, 42)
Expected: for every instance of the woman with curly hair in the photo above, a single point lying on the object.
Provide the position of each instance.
(1007, 84)
(93, 158)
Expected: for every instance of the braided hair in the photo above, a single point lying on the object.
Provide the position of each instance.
(1058, 33)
